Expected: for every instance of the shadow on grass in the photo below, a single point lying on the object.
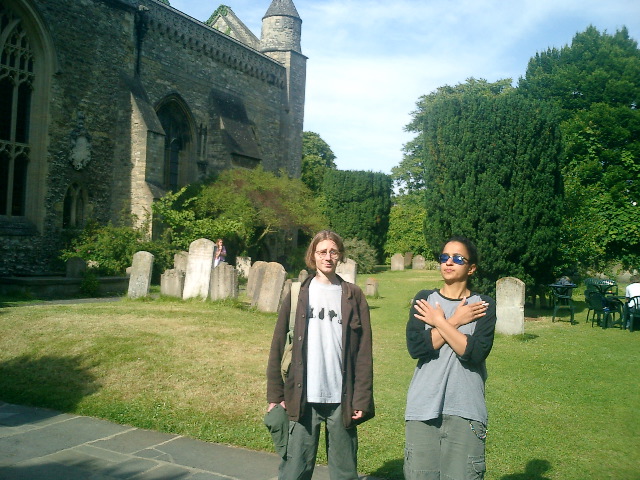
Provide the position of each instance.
(533, 471)
(58, 383)
(391, 470)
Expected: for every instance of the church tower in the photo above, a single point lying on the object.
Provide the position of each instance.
(280, 40)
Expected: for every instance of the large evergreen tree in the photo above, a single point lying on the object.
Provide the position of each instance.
(317, 158)
(596, 83)
(357, 204)
(492, 173)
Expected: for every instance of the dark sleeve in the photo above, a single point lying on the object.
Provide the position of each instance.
(419, 341)
(363, 378)
(480, 343)
(275, 384)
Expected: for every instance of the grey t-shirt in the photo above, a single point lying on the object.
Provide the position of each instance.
(444, 384)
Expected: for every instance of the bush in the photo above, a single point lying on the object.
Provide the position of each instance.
(362, 253)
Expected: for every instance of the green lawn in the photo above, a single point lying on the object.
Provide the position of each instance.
(563, 400)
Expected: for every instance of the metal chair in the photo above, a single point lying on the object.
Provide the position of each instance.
(632, 312)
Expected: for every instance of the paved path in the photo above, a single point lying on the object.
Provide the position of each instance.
(41, 444)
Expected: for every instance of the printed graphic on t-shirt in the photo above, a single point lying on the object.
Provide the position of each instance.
(321, 315)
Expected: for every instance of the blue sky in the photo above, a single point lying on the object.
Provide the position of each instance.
(370, 60)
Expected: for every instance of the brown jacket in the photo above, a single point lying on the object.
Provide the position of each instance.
(357, 359)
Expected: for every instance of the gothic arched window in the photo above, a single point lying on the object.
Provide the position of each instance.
(73, 215)
(16, 88)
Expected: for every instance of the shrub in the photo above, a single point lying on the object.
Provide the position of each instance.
(362, 253)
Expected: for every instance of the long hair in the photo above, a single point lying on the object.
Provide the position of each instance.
(309, 257)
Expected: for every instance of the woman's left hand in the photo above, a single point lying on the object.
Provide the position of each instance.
(429, 314)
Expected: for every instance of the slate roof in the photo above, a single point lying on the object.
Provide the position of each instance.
(282, 8)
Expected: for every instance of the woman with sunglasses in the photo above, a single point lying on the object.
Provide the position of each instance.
(450, 332)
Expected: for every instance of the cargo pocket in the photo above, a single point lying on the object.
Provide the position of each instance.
(476, 467)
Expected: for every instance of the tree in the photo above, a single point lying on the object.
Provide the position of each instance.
(596, 82)
(317, 157)
(243, 206)
(492, 173)
(357, 205)
(406, 221)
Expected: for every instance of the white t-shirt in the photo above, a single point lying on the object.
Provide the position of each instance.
(631, 291)
(324, 344)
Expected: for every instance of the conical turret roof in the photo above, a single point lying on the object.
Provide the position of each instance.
(282, 8)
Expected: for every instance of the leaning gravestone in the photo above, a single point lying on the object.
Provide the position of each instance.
(172, 283)
(224, 282)
(397, 262)
(348, 270)
(408, 257)
(418, 263)
(199, 265)
(303, 275)
(243, 265)
(255, 276)
(75, 267)
(180, 261)
(268, 290)
(510, 293)
(371, 289)
(140, 279)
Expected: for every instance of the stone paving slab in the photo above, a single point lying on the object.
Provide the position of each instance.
(41, 444)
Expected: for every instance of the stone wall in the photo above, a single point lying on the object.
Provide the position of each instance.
(106, 79)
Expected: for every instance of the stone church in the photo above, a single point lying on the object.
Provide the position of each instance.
(106, 105)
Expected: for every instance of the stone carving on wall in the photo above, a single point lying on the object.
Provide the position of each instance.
(80, 145)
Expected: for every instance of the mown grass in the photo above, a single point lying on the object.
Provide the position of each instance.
(563, 399)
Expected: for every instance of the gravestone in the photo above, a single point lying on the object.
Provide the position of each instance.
(199, 266)
(127, 271)
(172, 283)
(75, 267)
(348, 270)
(408, 257)
(243, 265)
(268, 290)
(418, 263)
(224, 282)
(397, 262)
(510, 293)
(180, 261)
(255, 276)
(140, 279)
(371, 289)
(303, 275)
(286, 289)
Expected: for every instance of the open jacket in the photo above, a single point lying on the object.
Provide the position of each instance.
(357, 359)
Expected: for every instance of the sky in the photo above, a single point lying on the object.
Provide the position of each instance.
(369, 61)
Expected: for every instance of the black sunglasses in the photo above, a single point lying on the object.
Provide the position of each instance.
(457, 258)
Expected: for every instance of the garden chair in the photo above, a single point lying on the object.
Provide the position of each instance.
(590, 288)
(604, 310)
(633, 312)
(562, 298)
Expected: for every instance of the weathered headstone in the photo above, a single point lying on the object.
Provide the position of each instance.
(303, 275)
(140, 279)
(348, 270)
(286, 289)
(408, 257)
(128, 271)
(418, 263)
(255, 276)
(180, 261)
(371, 289)
(510, 293)
(243, 265)
(199, 265)
(268, 290)
(397, 262)
(75, 267)
(224, 282)
(172, 283)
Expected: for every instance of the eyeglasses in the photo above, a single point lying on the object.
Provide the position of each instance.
(323, 253)
(457, 258)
